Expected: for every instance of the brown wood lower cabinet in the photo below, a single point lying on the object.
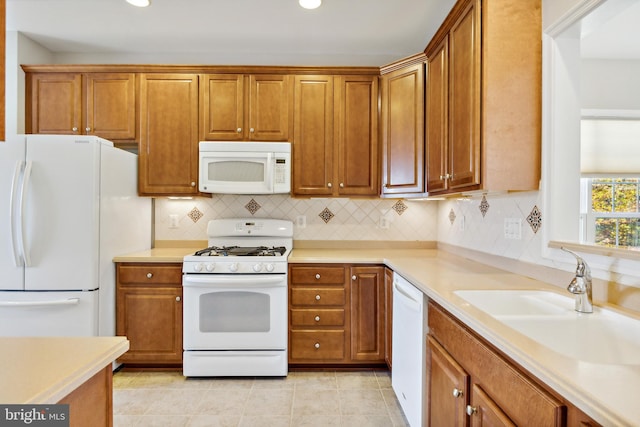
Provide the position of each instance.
(336, 314)
(91, 404)
(149, 313)
(472, 383)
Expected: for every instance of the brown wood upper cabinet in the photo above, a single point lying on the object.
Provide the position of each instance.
(402, 128)
(102, 104)
(483, 98)
(335, 143)
(237, 107)
(168, 155)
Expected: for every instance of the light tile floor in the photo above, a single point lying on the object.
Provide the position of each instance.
(353, 399)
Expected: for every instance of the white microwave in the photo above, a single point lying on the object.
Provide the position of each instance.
(244, 167)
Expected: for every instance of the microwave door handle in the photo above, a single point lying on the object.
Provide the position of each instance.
(271, 161)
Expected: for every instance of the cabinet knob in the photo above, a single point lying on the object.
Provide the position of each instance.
(342, 185)
(239, 130)
(87, 129)
(75, 129)
(329, 185)
(178, 299)
(193, 183)
(317, 276)
(471, 410)
(457, 392)
(317, 345)
(354, 277)
(317, 318)
(252, 130)
(317, 297)
(149, 275)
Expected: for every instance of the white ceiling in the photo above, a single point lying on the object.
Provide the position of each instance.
(251, 32)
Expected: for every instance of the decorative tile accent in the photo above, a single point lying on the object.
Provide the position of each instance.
(399, 207)
(195, 214)
(252, 206)
(452, 216)
(535, 219)
(484, 205)
(326, 215)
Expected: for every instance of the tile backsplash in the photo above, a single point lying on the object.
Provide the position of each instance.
(314, 219)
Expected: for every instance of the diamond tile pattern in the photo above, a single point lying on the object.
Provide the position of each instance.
(326, 215)
(484, 206)
(195, 214)
(253, 206)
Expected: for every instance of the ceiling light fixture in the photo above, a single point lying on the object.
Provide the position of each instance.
(139, 3)
(310, 4)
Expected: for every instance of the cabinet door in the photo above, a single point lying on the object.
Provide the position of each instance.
(269, 99)
(402, 115)
(437, 101)
(448, 388)
(367, 313)
(168, 156)
(222, 107)
(55, 105)
(388, 315)
(484, 412)
(313, 135)
(111, 105)
(356, 135)
(464, 99)
(151, 318)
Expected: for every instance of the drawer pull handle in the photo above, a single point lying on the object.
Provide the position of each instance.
(317, 318)
(149, 275)
(471, 410)
(317, 297)
(317, 345)
(457, 392)
(317, 276)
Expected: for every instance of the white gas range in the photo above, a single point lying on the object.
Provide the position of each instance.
(235, 300)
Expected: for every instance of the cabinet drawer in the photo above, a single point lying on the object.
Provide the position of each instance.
(317, 275)
(150, 273)
(317, 345)
(311, 317)
(318, 297)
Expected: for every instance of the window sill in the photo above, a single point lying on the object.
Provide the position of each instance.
(598, 250)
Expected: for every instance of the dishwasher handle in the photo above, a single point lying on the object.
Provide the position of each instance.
(404, 296)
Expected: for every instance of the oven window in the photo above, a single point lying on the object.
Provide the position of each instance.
(235, 312)
(236, 171)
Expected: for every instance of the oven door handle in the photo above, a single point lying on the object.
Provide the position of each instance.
(204, 281)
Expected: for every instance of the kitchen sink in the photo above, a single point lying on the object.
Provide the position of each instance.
(604, 336)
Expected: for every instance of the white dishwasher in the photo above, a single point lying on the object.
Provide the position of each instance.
(408, 348)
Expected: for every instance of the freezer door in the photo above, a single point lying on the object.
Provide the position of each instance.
(48, 313)
(62, 212)
(12, 156)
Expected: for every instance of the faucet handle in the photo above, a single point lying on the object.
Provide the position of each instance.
(582, 269)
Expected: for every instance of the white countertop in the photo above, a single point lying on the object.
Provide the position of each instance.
(607, 393)
(43, 370)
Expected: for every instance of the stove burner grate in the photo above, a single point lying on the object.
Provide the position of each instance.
(241, 251)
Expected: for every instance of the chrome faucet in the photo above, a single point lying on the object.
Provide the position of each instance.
(580, 285)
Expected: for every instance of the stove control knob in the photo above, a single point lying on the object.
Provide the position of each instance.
(269, 267)
(198, 267)
(233, 267)
(210, 267)
(257, 267)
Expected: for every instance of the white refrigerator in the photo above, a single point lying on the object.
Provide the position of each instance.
(68, 205)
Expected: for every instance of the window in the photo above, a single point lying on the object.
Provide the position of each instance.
(611, 211)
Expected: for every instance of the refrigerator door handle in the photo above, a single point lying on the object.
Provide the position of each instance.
(69, 301)
(17, 256)
(23, 200)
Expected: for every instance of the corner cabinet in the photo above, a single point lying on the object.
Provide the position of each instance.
(168, 155)
(336, 315)
(335, 138)
(149, 313)
(238, 107)
(483, 98)
(101, 104)
(471, 383)
(402, 127)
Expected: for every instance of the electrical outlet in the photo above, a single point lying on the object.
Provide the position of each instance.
(383, 222)
(513, 228)
(462, 223)
(173, 221)
(301, 221)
